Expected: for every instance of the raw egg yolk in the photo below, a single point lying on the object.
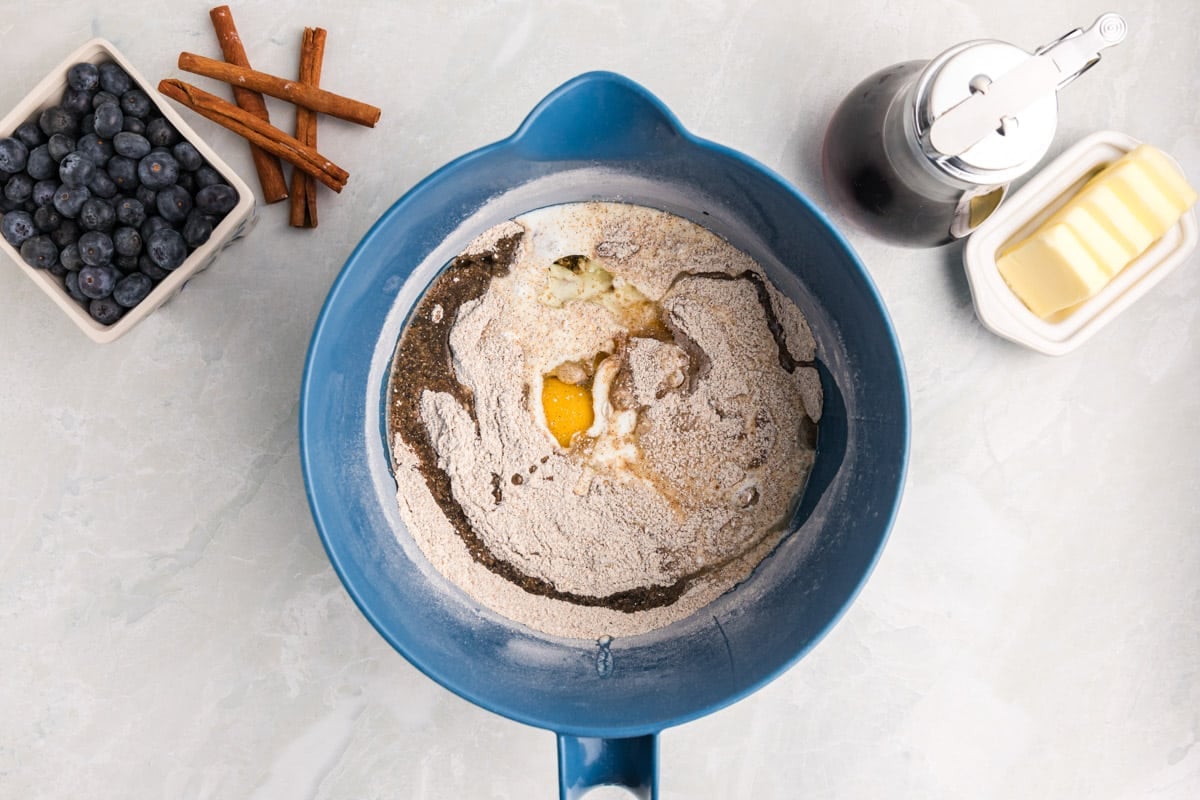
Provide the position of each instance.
(568, 409)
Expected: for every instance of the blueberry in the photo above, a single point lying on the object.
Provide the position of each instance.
(71, 279)
(126, 264)
(217, 200)
(114, 79)
(188, 156)
(158, 170)
(127, 241)
(70, 258)
(95, 147)
(147, 197)
(57, 119)
(13, 154)
(29, 134)
(130, 211)
(41, 165)
(151, 270)
(76, 101)
(134, 125)
(84, 77)
(101, 185)
(105, 310)
(166, 248)
(20, 188)
(70, 199)
(43, 192)
(96, 248)
(131, 145)
(76, 170)
(188, 181)
(17, 226)
(101, 97)
(152, 225)
(66, 233)
(7, 205)
(207, 176)
(87, 124)
(47, 219)
(60, 146)
(39, 252)
(57, 269)
(123, 172)
(97, 214)
(43, 196)
(96, 282)
(110, 120)
(161, 133)
(174, 203)
(136, 103)
(197, 229)
(132, 289)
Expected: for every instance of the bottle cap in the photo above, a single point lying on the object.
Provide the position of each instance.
(987, 111)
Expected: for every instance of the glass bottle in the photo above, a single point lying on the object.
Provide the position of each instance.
(920, 153)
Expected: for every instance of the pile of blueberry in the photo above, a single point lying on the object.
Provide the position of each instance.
(102, 192)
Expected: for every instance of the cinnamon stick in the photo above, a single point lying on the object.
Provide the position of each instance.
(270, 172)
(263, 134)
(304, 188)
(311, 97)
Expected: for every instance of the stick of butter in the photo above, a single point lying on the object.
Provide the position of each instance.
(1111, 221)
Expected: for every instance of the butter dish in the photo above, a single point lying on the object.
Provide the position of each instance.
(1002, 312)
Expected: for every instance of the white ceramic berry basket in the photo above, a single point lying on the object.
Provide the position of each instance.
(235, 224)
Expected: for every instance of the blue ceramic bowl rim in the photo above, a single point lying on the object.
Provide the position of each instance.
(515, 712)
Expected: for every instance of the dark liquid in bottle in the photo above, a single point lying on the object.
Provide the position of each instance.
(859, 176)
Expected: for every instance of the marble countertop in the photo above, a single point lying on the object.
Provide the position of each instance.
(169, 623)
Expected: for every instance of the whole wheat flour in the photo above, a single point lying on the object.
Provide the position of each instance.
(704, 409)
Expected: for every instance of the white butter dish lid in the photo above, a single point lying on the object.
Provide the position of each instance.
(1002, 312)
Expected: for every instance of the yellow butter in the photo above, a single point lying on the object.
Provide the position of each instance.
(1100, 236)
(1116, 209)
(1154, 202)
(1052, 270)
(1167, 175)
(1112, 220)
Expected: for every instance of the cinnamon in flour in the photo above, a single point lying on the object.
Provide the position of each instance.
(706, 409)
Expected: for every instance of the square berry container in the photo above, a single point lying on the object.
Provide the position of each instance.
(231, 228)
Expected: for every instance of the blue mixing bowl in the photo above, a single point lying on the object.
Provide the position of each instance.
(603, 137)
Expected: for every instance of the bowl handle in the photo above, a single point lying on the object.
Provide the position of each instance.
(597, 116)
(585, 763)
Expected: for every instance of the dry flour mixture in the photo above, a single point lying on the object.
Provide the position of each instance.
(602, 416)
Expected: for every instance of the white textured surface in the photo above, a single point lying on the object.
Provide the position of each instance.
(170, 627)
